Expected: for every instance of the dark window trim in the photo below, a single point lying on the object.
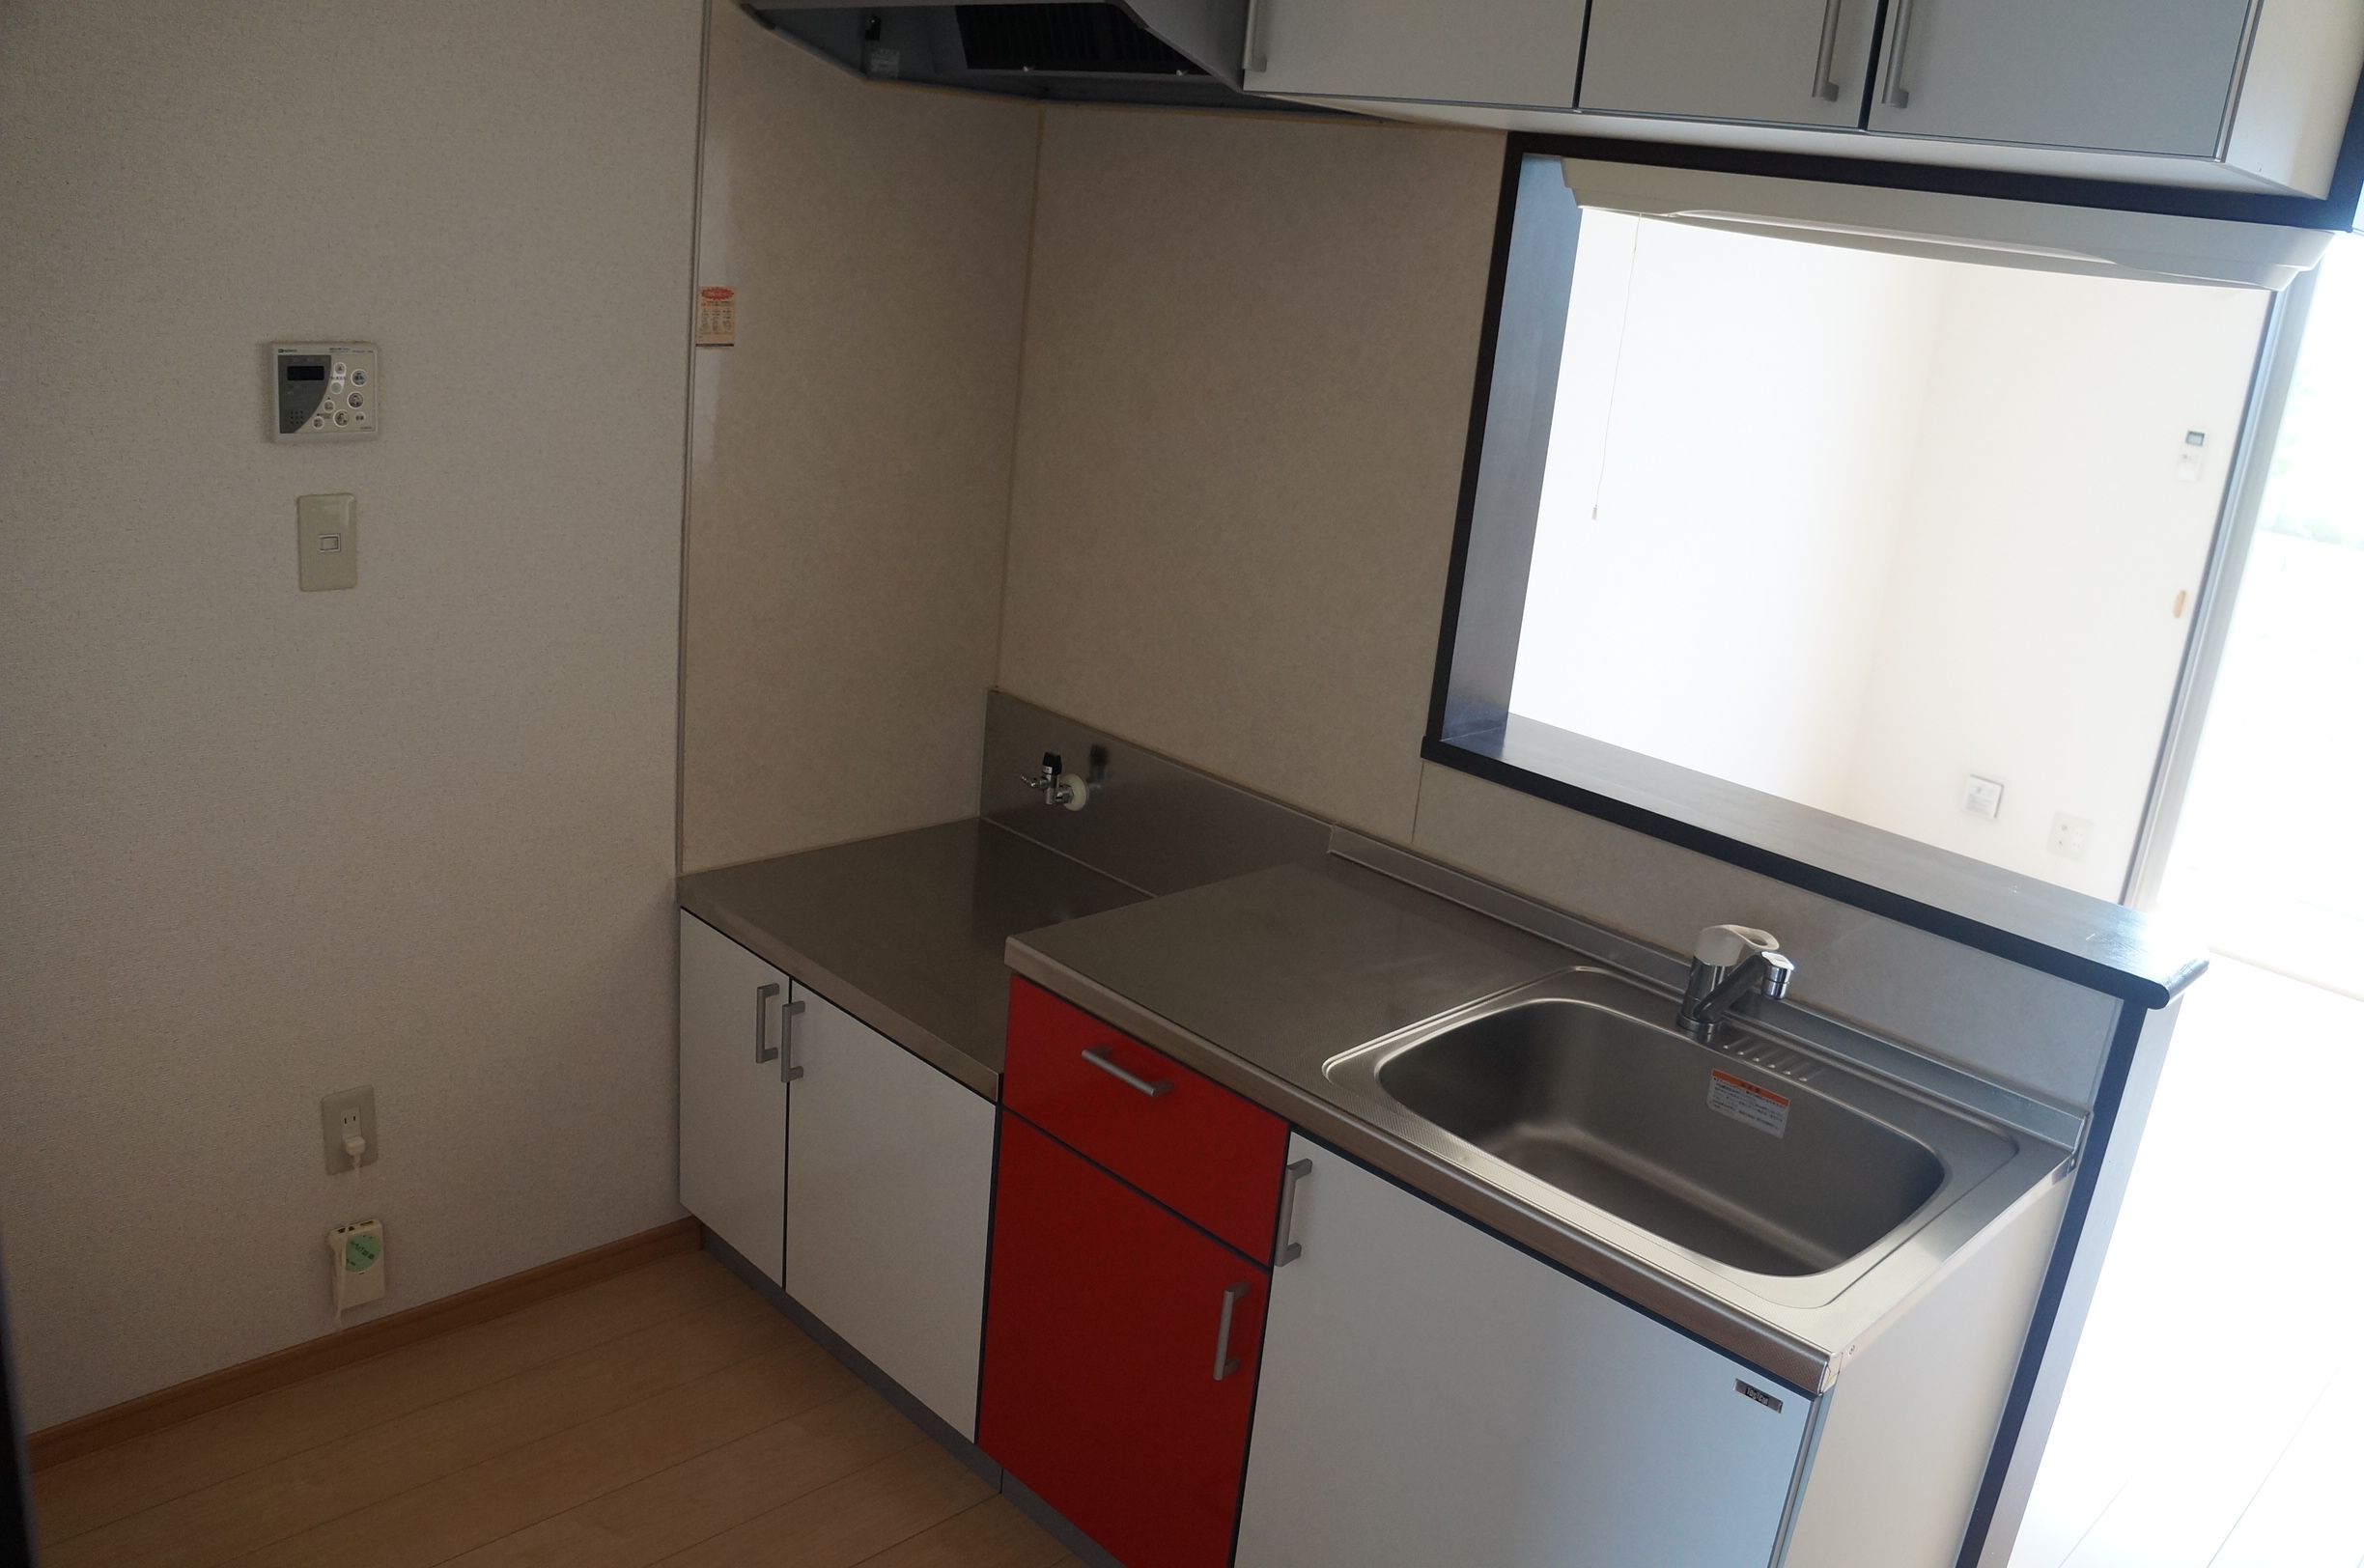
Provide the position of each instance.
(2088, 942)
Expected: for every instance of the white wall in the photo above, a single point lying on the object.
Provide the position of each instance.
(1734, 427)
(2031, 633)
(851, 466)
(262, 844)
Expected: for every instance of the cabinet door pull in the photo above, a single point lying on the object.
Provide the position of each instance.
(1227, 1363)
(1824, 86)
(791, 1069)
(1099, 1057)
(1288, 1252)
(1895, 94)
(764, 1051)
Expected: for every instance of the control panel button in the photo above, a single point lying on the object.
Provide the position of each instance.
(354, 400)
(361, 378)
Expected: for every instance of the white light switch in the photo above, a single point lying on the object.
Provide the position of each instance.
(2193, 457)
(1982, 796)
(327, 553)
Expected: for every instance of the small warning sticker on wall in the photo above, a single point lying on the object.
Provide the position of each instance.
(1744, 1102)
(718, 318)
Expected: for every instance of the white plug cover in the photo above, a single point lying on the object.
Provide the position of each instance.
(1727, 945)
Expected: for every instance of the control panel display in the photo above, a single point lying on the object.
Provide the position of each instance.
(326, 391)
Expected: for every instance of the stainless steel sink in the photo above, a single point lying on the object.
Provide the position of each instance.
(1752, 1155)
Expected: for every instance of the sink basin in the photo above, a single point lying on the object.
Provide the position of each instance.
(1753, 1156)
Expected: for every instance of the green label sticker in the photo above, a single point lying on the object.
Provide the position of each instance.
(360, 1251)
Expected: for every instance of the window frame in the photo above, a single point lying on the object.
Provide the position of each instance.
(2107, 947)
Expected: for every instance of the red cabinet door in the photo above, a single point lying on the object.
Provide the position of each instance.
(1102, 1320)
(1178, 1136)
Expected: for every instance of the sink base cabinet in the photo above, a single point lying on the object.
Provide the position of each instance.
(890, 1192)
(1102, 1325)
(1432, 1394)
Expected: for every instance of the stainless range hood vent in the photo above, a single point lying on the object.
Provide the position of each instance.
(1172, 54)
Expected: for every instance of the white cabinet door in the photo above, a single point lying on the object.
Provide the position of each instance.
(2125, 76)
(1431, 1394)
(734, 1108)
(1771, 61)
(1517, 52)
(889, 1190)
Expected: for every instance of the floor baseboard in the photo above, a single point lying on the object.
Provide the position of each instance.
(169, 1406)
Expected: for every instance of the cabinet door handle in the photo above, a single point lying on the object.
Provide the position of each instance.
(1288, 1252)
(763, 1053)
(1895, 94)
(791, 1069)
(1227, 1363)
(1824, 86)
(1099, 1057)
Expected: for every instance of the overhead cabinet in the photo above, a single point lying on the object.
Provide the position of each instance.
(1772, 62)
(2249, 94)
(1508, 52)
(2117, 76)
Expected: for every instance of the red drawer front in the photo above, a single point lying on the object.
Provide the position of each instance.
(1102, 1316)
(1194, 1146)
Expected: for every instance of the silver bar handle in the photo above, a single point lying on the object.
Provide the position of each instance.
(791, 1069)
(764, 1050)
(1098, 1056)
(1288, 1252)
(1824, 86)
(1895, 93)
(1227, 1363)
(1251, 51)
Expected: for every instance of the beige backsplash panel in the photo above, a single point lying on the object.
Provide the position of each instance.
(850, 454)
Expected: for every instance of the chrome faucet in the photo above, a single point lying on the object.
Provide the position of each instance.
(1730, 962)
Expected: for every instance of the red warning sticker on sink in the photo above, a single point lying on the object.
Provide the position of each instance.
(1744, 1102)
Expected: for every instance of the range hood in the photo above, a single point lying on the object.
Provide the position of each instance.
(1172, 54)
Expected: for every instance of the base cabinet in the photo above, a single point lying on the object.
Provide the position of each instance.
(734, 1105)
(1121, 1356)
(1432, 1394)
(890, 1192)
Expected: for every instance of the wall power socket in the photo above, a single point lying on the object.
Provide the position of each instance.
(357, 1262)
(348, 1113)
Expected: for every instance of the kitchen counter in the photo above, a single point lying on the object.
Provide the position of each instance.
(906, 932)
(1259, 981)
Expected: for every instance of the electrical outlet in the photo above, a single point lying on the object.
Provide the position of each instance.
(341, 1115)
(2072, 836)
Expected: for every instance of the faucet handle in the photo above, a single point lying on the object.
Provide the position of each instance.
(1724, 947)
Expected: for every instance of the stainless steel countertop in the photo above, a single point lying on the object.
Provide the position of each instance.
(1261, 981)
(906, 932)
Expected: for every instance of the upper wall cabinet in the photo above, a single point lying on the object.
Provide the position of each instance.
(2117, 76)
(1515, 53)
(1773, 62)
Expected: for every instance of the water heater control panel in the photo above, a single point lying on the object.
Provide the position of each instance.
(326, 391)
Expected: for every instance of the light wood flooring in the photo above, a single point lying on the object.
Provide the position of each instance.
(2214, 1415)
(666, 1416)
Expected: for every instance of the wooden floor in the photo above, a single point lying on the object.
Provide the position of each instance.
(666, 1415)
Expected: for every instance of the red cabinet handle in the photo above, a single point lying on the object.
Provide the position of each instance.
(1227, 1363)
(1099, 1057)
